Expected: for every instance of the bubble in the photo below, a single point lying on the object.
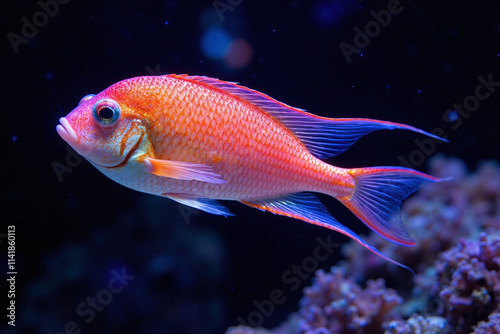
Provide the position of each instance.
(452, 116)
(239, 54)
(215, 43)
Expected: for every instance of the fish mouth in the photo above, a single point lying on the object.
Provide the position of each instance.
(69, 135)
(66, 132)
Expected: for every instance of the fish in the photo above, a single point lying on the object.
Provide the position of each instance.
(198, 140)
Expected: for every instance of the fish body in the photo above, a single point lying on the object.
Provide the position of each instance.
(197, 140)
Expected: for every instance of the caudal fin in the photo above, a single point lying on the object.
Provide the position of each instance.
(377, 198)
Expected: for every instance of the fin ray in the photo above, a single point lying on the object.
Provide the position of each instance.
(183, 170)
(378, 195)
(204, 204)
(308, 208)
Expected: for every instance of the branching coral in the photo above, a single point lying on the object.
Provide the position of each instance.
(492, 326)
(419, 325)
(468, 280)
(336, 303)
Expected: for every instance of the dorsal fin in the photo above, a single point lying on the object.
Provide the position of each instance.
(323, 137)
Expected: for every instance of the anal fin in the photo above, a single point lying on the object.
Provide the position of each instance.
(308, 208)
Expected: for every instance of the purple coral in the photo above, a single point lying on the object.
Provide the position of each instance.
(335, 304)
(468, 280)
(419, 324)
(492, 326)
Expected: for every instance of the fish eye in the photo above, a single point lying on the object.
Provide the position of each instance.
(106, 112)
(85, 98)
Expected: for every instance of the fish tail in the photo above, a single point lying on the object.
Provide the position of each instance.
(377, 197)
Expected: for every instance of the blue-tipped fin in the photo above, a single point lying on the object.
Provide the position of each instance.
(203, 204)
(307, 207)
(377, 198)
(323, 137)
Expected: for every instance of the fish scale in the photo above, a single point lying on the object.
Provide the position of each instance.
(197, 140)
(262, 154)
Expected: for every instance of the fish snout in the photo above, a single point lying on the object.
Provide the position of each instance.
(66, 131)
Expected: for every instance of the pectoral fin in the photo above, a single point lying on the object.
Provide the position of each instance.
(182, 170)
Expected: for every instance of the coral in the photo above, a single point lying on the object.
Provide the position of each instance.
(464, 284)
(334, 304)
(339, 305)
(419, 325)
(492, 326)
(468, 281)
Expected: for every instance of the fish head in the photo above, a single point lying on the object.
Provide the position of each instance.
(102, 130)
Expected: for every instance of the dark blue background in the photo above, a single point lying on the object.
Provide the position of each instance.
(198, 275)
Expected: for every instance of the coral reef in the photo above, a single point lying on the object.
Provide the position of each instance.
(457, 260)
(419, 324)
(339, 305)
(492, 326)
(468, 278)
(336, 304)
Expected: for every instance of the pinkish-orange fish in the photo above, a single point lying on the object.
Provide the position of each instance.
(197, 140)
